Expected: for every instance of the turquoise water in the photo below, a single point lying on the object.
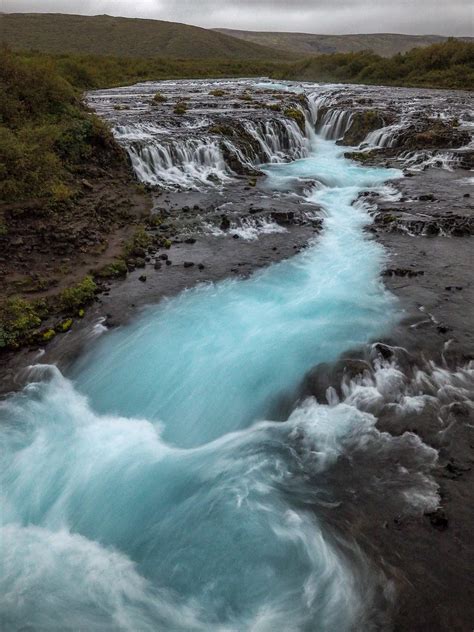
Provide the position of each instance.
(151, 491)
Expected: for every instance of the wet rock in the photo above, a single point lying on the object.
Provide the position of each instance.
(283, 217)
(142, 278)
(363, 122)
(157, 265)
(163, 256)
(438, 519)
(188, 264)
(325, 376)
(225, 222)
(190, 240)
(402, 272)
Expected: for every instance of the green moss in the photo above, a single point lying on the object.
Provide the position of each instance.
(180, 108)
(64, 326)
(159, 98)
(73, 298)
(297, 115)
(47, 335)
(363, 122)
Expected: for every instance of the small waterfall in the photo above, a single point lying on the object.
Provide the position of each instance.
(182, 163)
(280, 140)
(335, 124)
(188, 162)
(422, 160)
(385, 137)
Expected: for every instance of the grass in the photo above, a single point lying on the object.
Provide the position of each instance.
(124, 37)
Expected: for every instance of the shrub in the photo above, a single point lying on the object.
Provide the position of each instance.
(180, 108)
(75, 297)
(159, 98)
(18, 318)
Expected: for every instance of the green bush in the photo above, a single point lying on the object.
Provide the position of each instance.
(159, 98)
(180, 108)
(18, 318)
(75, 297)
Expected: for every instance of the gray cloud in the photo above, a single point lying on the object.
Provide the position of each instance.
(446, 17)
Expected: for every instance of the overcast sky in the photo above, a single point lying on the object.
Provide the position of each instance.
(446, 17)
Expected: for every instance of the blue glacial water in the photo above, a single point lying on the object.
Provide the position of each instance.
(152, 491)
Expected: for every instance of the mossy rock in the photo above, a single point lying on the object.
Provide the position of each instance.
(180, 108)
(158, 98)
(64, 325)
(217, 93)
(363, 123)
(297, 115)
(47, 335)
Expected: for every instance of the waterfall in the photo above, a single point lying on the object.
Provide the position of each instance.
(334, 124)
(385, 137)
(280, 140)
(184, 163)
(163, 486)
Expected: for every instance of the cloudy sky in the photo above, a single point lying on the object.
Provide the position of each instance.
(446, 17)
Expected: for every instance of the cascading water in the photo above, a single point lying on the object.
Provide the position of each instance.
(147, 493)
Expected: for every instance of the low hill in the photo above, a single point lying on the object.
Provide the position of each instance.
(384, 44)
(123, 37)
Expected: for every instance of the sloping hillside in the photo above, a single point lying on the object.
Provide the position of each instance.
(123, 37)
(384, 44)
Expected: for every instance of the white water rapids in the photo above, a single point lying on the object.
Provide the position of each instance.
(153, 491)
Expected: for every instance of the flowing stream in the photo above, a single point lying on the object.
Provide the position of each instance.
(163, 487)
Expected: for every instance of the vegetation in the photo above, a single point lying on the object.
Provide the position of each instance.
(47, 136)
(124, 37)
(297, 115)
(21, 320)
(73, 298)
(180, 108)
(159, 98)
(45, 132)
(446, 65)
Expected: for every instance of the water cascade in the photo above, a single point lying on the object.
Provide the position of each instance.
(162, 486)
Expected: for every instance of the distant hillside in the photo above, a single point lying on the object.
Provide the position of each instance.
(123, 37)
(384, 44)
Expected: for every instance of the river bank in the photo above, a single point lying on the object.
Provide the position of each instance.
(396, 380)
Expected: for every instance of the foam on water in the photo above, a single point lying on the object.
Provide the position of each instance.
(148, 493)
